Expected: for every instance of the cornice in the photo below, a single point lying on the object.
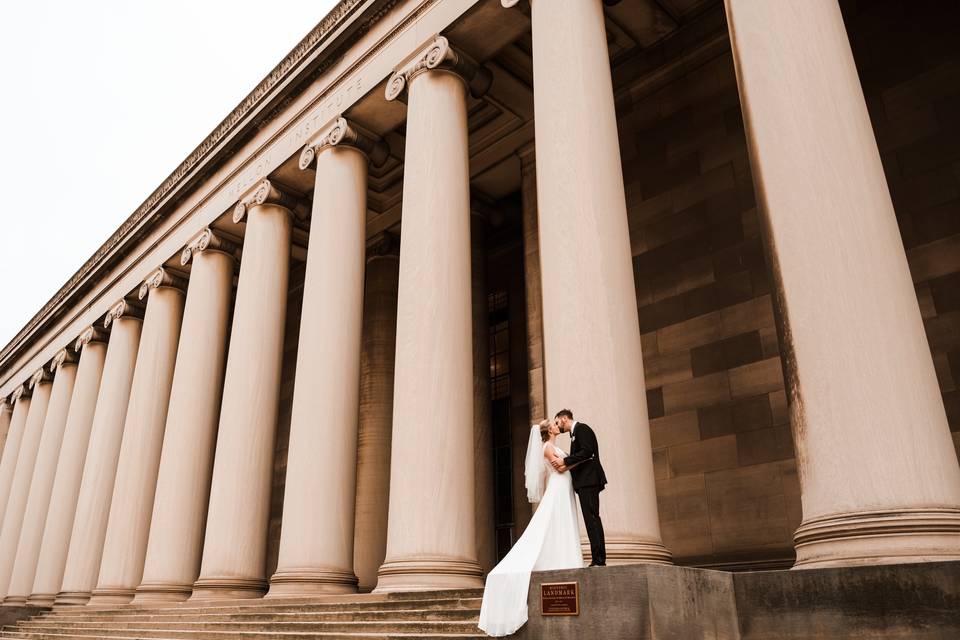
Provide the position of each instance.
(216, 146)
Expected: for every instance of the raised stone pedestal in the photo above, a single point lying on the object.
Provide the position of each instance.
(654, 602)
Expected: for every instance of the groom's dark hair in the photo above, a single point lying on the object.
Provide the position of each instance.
(565, 413)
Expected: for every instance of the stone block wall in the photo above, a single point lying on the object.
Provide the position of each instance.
(726, 475)
(726, 479)
(908, 57)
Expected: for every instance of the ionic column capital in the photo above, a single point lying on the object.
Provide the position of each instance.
(207, 239)
(160, 277)
(120, 310)
(64, 356)
(40, 375)
(22, 391)
(383, 245)
(346, 133)
(90, 334)
(439, 54)
(265, 192)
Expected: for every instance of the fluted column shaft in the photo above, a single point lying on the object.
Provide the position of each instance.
(103, 450)
(6, 411)
(234, 549)
(125, 543)
(878, 473)
(431, 540)
(26, 463)
(376, 410)
(593, 358)
(183, 484)
(27, 552)
(11, 448)
(316, 543)
(52, 554)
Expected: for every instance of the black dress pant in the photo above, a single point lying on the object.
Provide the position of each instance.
(590, 506)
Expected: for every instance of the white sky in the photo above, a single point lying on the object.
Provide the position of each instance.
(102, 100)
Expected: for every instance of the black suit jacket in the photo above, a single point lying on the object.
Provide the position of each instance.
(585, 450)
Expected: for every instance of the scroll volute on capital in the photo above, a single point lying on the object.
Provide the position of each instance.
(346, 133)
(207, 239)
(122, 309)
(265, 192)
(440, 54)
(160, 277)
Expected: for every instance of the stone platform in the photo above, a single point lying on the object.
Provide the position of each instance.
(637, 602)
(656, 602)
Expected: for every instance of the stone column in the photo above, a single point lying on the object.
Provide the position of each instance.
(482, 428)
(235, 542)
(531, 280)
(125, 542)
(316, 542)
(379, 344)
(879, 476)
(591, 334)
(6, 410)
(99, 471)
(431, 539)
(183, 483)
(52, 554)
(11, 449)
(23, 565)
(42, 384)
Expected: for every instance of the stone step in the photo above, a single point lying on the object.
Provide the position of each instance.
(452, 613)
(266, 608)
(51, 635)
(364, 624)
(468, 598)
(231, 630)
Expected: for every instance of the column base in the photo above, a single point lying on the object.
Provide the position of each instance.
(15, 601)
(878, 537)
(162, 592)
(228, 588)
(632, 551)
(428, 574)
(110, 596)
(287, 583)
(76, 598)
(41, 599)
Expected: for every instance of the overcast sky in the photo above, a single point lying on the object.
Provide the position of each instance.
(102, 100)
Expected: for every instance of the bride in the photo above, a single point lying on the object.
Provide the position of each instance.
(550, 541)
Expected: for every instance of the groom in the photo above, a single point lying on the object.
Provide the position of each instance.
(588, 479)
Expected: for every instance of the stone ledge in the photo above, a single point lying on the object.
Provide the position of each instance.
(657, 602)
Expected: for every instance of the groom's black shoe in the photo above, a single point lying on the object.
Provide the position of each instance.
(598, 564)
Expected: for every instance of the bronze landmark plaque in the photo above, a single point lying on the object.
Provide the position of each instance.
(560, 598)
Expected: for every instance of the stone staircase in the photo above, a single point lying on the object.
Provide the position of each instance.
(435, 615)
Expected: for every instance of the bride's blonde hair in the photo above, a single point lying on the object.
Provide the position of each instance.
(545, 430)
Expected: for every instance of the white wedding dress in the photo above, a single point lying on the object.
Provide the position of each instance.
(550, 541)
